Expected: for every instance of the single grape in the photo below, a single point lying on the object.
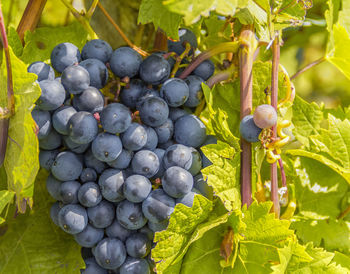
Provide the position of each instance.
(42, 70)
(52, 95)
(188, 199)
(106, 147)
(64, 55)
(135, 137)
(176, 113)
(98, 49)
(154, 70)
(72, 218)
(160, 154)
(205, 69)
(75, 79)
(156, 227)
(93, 268)
(88, 175)
(177, 182)
(123, 160)
(196, 165)
(69, 192)
(98, 72)
(61, 117)
(146, 163)
(82, 127)
(154, 111)
(115, 118)
(185, 36)
(265, 116)
(52, 141)
(111, 184)
(158, 206)
(196, 93)
(116, 230)
(202, 186)
(90, 100)
(73, 146)
(53, 187)
(54, 210)
(130, 215)
(146, 93)
(249, 131)
(89, 237)
(165, 131)
(101, 215)
(47, 157)
(92, 162)
(137, 188)
(89, 194)
(110, 253)
(67, 166)
(177, 155)
(134, 266)
(138, 245)
(175, 92)
(190, 131)
(125, 62)
(147, 231)
(131, 93)
(152, 139)
(42, 119)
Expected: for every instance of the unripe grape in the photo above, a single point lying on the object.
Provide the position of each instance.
(265, 116)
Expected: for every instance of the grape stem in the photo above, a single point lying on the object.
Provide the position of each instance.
(220, 48)
(217, 78)
(122, 34)
(307, 67)
(30, 17)
(179, 59)
(344, 213)
(274, 99)
(92, 8)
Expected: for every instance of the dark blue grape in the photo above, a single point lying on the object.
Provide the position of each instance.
(155, 69)
(190, 131)
(146, 93)
(82, 127)
(92, 162)
(196, 93)
(106, 147)
(61, 117)
(166, 144)
(205, 69)
(42, 70)
(53, 187)
(98, 49)
(135, 266)
(52, 141)
(110, 253)
(147, 231)
(249, 131)
(123, 160)
(158, 206)
(115, 118)
(93, 268)
(146, 163)
(90, 100)
(125, 62)
(98, 72)
(67, 166)
(130, 215)
(42, 119)
(89, 237)
(77, 148)
(111, 184)
(137, 188)
(69, 192)
(156, 227)
(75, 79)
(64, 55)
(185, 36)
(54, 210)
(88, 175)
(196, 165)
(177, 182)
(72, 218)
(178, 155)
(160, 154)
(165, 131)
(116, 230)
(152, 139)
(89, 194)
(175, 92)
(154, 111)
(131, 93)
(47, 157)
(52, 95)
(138, 245)
(135, 137)
(202, 186)
(188, 199)
(101, 215)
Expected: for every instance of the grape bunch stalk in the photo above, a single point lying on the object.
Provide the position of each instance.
(118, 170)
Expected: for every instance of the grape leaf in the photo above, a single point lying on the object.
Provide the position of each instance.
(342, 259)
(154, 11)
(6, 197)
(32, 243)
(21, 161)
(14, 41)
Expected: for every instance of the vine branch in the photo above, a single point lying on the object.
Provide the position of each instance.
(344, 213)
(160, 41)
(92, 8)
(307, 67)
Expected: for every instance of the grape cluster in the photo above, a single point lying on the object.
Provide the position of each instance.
(117, 180)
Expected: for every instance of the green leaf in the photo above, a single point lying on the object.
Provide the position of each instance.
(21, 161)
(32, 243)
(342, 259)
(14, 41)
(173, 242)
(153, 11)
(6, 197)
(291, 13)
